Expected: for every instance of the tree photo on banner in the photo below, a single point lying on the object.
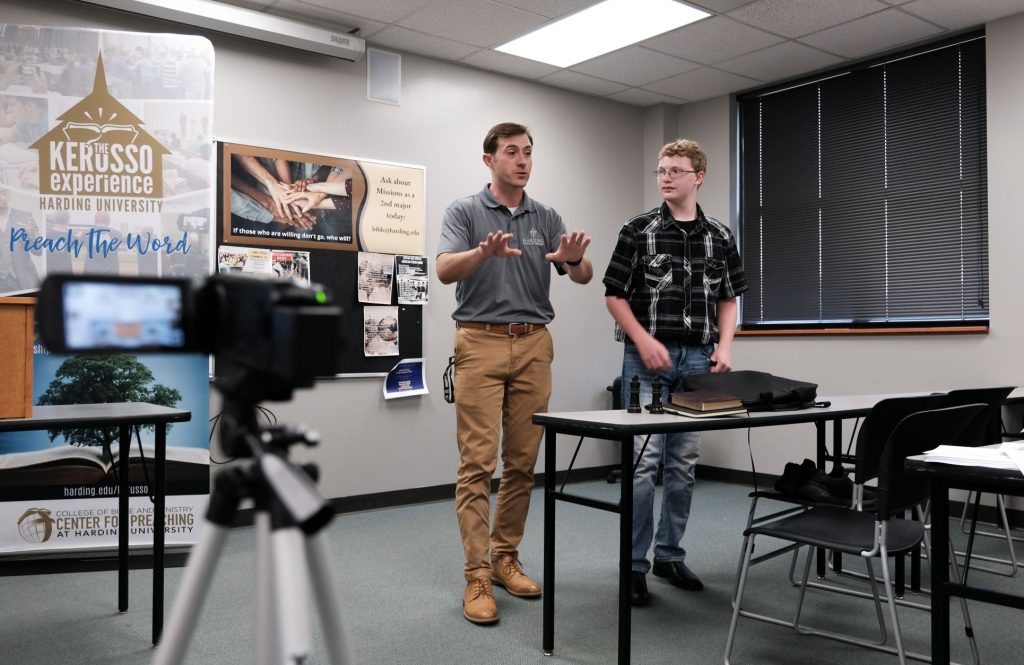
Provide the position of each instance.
(106, 168)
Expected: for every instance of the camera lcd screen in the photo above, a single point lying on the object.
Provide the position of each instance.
(102, 315)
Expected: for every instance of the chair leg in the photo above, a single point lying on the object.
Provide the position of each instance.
(811, 553)
(893, 615)
(883, 634)
(956, 574)
(1004, 533)
(748, 550)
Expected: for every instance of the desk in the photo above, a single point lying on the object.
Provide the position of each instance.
(943, 478)
(124, 416)
(621, 426)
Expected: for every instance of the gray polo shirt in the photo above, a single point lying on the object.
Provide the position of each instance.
(513, 289)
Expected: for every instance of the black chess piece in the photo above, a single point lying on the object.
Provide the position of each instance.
(655, 405)
(634, 395)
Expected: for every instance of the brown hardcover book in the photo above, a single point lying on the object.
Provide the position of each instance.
(706, 400)
(693, 413)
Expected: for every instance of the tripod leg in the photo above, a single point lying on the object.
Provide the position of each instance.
(289, 566)
(268, 648)
(339, 644)
(187, 603)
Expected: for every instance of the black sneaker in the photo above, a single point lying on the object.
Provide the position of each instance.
(638, 595)
(793, 476)
(678, 575)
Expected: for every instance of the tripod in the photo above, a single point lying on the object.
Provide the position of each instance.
(290, 516)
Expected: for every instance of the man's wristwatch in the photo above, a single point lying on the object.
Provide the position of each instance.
(574, 263)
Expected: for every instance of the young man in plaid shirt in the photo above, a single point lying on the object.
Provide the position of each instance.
(671, 287)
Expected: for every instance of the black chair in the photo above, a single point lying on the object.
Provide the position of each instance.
(985, 430)
(868, 535)
(871, 438)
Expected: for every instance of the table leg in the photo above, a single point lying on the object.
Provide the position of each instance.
(625, 548)
(939, 563)
(548, 642)
(820, 556)
(837, 462)
(159, 500)
(123, 519)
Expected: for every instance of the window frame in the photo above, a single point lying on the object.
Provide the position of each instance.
(877, 324)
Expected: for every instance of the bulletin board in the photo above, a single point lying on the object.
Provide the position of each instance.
(340, 222)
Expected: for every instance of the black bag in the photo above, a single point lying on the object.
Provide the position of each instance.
(759, 391)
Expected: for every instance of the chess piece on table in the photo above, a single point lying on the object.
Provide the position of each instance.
(655, 405)
(634, 395)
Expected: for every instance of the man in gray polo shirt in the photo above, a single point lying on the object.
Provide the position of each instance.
(499, 246)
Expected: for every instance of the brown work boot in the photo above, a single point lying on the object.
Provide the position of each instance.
(478, 602)
(508, 572)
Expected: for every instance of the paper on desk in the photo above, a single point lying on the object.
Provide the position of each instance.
(988, 456)
(1015, 451)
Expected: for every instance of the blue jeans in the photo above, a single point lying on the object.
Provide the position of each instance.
(245, 206)
(679, 450)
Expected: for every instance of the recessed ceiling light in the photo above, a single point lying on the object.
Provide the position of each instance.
(607, 26)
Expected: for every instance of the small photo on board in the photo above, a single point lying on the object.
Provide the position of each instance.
(380, 331)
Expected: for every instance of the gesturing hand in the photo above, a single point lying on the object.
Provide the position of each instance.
(496, 245)
(570, 248)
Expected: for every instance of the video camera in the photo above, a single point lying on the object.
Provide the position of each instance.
(267, 336)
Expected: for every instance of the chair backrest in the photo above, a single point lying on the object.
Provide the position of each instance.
(878, 426)
(915, 434)
(985, 428)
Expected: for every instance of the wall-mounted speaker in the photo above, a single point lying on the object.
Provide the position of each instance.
(383, 76)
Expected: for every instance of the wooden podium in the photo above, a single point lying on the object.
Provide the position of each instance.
(17, 317)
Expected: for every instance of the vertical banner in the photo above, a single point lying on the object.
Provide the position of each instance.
(106, 167)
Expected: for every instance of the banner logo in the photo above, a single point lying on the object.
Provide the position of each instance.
(36, 525)
(100, 149)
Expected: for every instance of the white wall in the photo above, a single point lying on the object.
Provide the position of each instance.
(587, 165)
(592, 161)
(866, 364)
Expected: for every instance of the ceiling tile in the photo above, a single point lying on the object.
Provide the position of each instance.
(955, 15)
(779, 62)
(549, 8)
(701, 83)
(641, 97)
(480, 22)
(794, 18)
(508, 64)
(634, 65)
(582, 83)
(388, 11)
(712, 40)
(305, 12)
(416, 42)
(872, 34)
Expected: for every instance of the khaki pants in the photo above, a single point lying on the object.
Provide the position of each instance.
(500, 382)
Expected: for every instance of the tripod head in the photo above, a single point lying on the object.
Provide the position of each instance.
(272, 478)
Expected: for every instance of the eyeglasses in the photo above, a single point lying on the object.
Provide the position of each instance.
(672, 173)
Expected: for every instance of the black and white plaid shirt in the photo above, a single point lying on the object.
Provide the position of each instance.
(673, 278)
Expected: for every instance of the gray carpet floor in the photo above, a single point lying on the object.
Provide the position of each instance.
(398, 575)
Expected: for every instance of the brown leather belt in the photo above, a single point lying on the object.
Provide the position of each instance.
(510, 329)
